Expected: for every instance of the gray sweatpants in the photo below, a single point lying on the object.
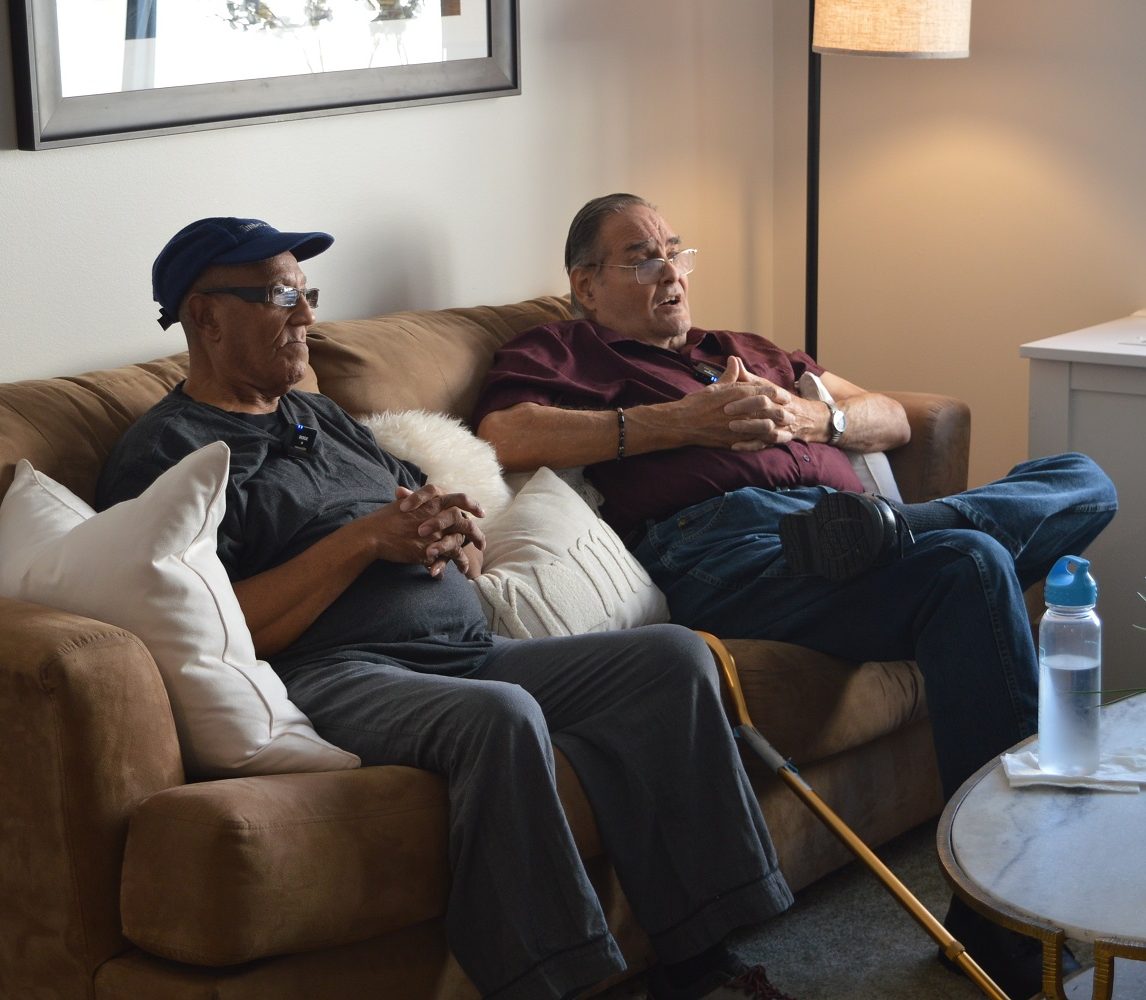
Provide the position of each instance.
(639, 716)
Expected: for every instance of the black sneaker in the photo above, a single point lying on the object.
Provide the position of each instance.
(751, 982)
(1013, 960)
(843, 535)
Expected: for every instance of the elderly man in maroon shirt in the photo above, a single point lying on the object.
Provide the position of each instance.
(733, 492)
(562, 395)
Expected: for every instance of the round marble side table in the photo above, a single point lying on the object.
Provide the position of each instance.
(1059, 863)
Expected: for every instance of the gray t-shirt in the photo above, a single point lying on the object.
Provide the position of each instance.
(280, 502)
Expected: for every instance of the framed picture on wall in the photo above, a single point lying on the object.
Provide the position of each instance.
(98, 70)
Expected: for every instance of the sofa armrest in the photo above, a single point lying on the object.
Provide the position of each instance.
(934, 462)
(88, 734)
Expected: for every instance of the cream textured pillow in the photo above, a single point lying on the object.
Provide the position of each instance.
(552, 567)
(149, 565)
(447, 451)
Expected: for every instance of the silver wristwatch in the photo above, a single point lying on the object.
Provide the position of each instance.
(837, 422)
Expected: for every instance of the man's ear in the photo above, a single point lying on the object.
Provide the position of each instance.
(582, 282)
(202, 313)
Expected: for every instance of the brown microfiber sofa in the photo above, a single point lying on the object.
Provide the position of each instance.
(120, 878)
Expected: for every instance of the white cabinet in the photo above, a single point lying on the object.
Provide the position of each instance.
(1088, 394)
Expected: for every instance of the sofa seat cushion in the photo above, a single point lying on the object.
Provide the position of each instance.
(810, 705)
(223, 872)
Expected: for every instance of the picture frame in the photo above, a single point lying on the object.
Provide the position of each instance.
(46, 118)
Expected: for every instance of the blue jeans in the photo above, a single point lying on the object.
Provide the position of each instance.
(953, 602)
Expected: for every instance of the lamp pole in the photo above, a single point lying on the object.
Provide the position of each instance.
(812, 197)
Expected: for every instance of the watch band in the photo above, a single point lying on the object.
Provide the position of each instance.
(837, 422)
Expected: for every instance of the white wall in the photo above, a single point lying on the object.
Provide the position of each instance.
(969, 206)
(454, 204)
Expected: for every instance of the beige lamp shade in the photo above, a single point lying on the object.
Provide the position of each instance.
(913, 29)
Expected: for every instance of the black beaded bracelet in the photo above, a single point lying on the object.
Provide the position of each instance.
(620, 433)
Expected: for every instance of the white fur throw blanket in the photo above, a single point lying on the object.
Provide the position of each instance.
(447, 451)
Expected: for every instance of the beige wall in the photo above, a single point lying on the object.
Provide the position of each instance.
(969, 206)
(454, 204)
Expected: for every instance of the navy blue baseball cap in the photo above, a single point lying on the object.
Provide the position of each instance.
(220, 241)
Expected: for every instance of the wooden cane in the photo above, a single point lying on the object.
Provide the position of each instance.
(787, 773)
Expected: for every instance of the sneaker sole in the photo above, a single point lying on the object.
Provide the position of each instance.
(839, 538)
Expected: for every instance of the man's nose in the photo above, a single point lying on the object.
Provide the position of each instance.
(303, 313)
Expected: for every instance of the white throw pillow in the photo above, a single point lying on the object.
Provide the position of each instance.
(552, 567)
(447, 451)
(573, 476)
(150, 566)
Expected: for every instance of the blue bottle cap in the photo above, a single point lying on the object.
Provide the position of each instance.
(1070, 585)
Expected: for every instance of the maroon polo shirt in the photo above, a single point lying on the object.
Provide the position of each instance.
(583, 366)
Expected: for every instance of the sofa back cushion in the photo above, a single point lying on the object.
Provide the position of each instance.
(67, 426)
(431, 360)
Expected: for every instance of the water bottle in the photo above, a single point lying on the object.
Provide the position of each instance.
(1070, 670)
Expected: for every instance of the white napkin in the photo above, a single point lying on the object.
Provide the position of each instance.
(1121, 770)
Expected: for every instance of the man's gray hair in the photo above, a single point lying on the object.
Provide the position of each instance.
(581, 248)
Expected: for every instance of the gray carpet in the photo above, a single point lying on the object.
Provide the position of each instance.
(846, 938)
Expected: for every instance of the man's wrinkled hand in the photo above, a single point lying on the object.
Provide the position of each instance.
(769, 414)
(740, 411)
(446, 527)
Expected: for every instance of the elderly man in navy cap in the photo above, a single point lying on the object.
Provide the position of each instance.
(350, 570)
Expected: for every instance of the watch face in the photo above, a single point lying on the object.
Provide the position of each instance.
(838, 422)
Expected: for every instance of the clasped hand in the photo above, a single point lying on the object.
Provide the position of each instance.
(762, 413)
(430, 527)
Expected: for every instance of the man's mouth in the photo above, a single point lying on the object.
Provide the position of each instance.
(672, 300)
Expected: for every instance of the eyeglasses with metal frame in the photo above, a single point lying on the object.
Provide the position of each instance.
(286, 296)
(648, 272)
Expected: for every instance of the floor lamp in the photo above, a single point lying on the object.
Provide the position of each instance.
(910, 29)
